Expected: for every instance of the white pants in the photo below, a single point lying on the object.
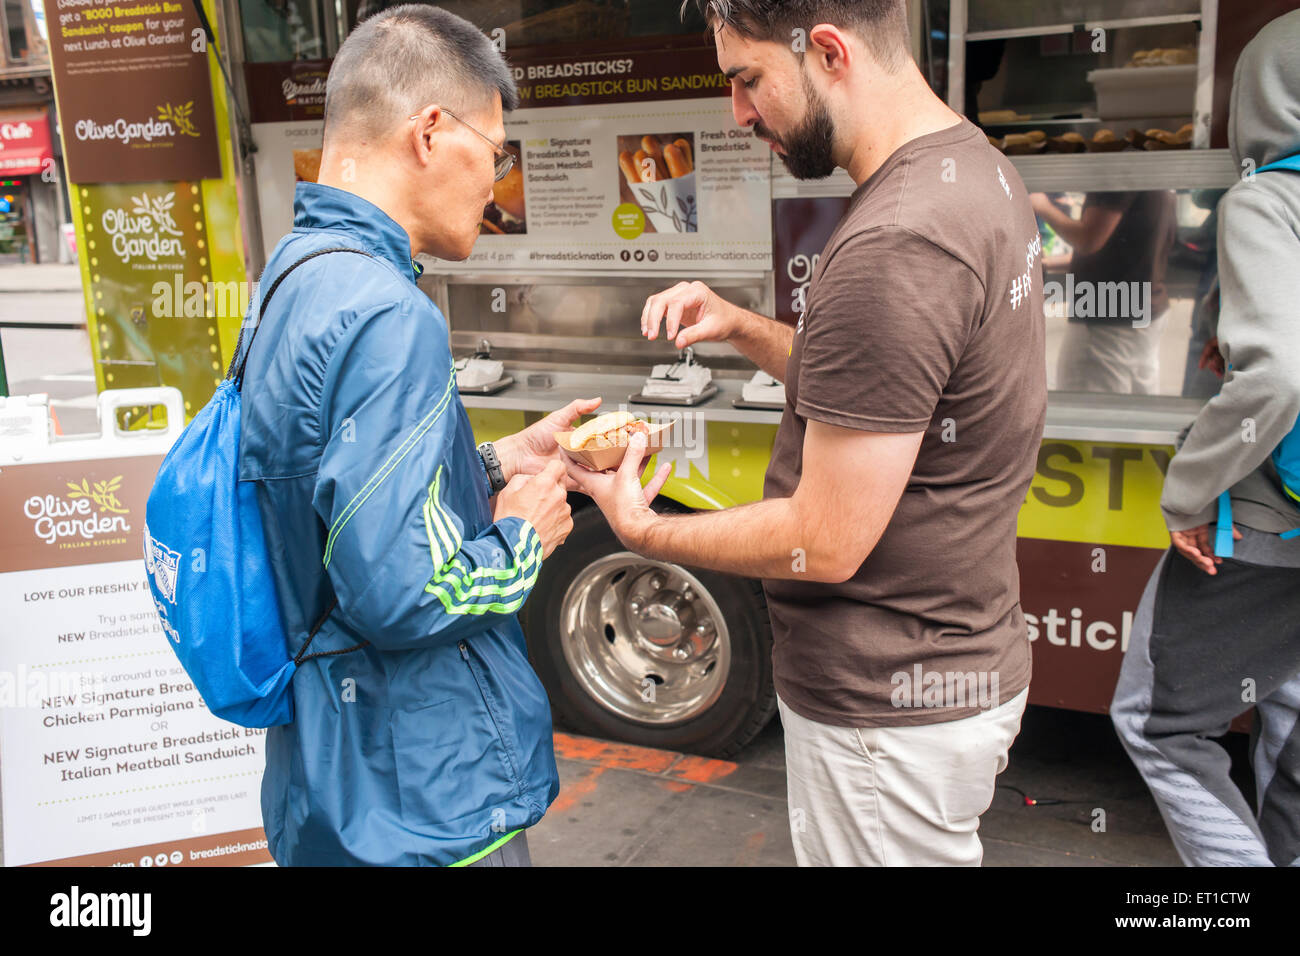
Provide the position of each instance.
(1113, 358)
(894, 796)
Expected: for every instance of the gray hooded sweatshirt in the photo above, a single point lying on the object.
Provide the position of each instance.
(1229, 444)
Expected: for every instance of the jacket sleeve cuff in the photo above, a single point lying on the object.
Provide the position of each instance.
(521, 537)
(530, 538)
(1181, 522)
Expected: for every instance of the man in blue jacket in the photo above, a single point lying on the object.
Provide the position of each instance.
(421, 734)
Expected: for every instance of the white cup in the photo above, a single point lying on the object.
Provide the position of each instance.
(670, 203)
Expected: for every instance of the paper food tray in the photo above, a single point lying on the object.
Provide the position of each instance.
(603, 459)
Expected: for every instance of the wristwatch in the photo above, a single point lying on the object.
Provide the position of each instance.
(492, 465)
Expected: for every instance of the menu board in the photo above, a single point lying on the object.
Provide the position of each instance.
(133, 89)
(627, 158)
(110, 757)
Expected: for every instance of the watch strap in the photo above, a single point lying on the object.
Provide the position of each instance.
(492, 465)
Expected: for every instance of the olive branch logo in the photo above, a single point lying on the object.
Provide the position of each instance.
(102, 493)
(159, 209)
(180, 115)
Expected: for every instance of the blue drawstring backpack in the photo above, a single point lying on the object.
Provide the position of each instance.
(1286, 456)
(207, 564)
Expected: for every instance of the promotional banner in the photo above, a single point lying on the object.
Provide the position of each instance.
(625, 158)
(590, 192)
(109, 756)
(151, 168)
(155, 303)
(134, 94)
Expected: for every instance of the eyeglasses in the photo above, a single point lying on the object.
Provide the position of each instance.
(505, 160)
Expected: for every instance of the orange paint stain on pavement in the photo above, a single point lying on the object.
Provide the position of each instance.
(676, 786)
(702, 769)
(614, 756)
(748, 856)
(571, 793)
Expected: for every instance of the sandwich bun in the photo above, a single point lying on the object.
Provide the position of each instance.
(598, 426)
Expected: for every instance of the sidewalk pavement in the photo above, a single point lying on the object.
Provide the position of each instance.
(58, 360)
(40, 278)
(623, 805)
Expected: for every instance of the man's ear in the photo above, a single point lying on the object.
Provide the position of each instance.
(424, 133)
(831, 48)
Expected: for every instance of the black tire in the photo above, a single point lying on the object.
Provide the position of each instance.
(748, 698)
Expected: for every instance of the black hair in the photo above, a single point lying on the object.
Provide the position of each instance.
(882, 24)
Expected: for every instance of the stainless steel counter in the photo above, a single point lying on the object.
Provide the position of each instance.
(1079, 417)
(614, 389)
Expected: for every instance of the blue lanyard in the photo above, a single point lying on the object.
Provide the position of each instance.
(1290, 162)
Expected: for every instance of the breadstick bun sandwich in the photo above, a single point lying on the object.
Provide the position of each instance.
(602, 442)
(612, 430)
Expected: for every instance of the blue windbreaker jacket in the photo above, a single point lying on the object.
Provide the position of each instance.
(432, 743)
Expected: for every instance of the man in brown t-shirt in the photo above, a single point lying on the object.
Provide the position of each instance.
(916, 394)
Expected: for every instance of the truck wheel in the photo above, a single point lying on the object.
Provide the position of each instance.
(646, 652)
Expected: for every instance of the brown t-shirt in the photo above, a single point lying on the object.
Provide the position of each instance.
(925, 313)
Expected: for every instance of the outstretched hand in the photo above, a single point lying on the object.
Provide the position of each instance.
(619, 494)
(690, 312)
(529, 452)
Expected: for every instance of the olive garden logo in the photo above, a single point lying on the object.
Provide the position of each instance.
(147, 230)
(172, 120)
(182, 116)
(84, 513)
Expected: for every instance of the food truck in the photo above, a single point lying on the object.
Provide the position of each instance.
(632, 175)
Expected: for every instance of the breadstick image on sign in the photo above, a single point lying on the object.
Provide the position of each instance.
(657, 173)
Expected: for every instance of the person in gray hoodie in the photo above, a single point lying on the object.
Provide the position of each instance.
(1213, 636)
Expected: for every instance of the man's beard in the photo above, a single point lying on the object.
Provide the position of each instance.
(807, 150)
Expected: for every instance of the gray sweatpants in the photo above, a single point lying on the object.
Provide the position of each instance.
(1202, 650)
(512, 853)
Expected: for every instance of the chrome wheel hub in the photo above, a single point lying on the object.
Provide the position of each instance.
(645, 639)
